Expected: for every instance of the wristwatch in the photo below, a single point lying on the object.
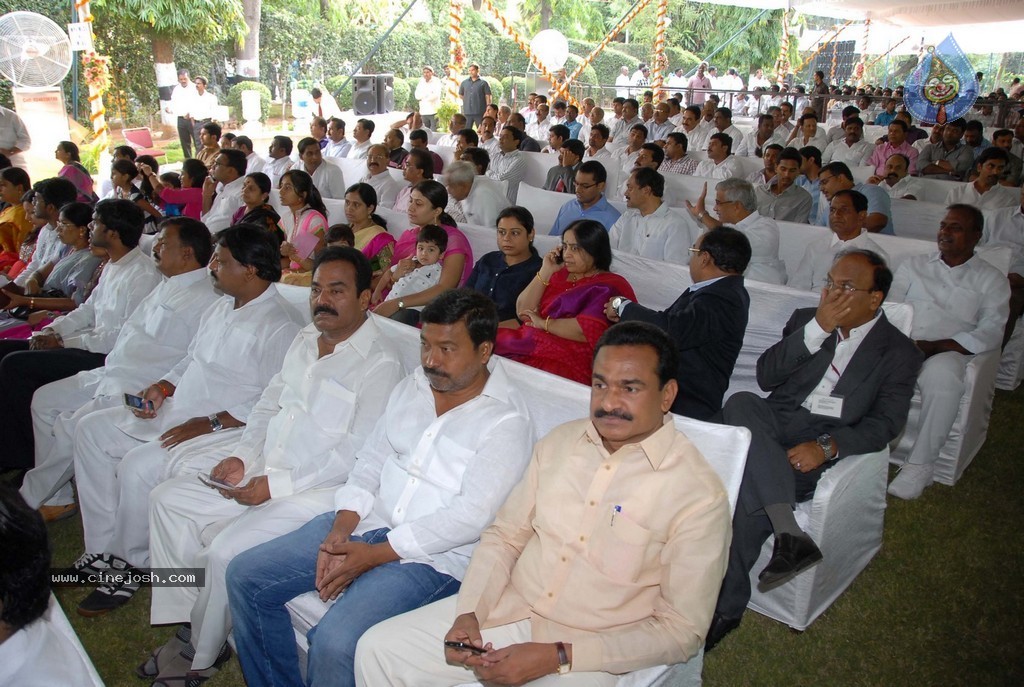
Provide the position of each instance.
(564, 665)
(619, 303)
(401, 305)
(215, 423)
(825, 442)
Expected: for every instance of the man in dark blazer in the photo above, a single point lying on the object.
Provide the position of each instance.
(707, 321)
(841, 380)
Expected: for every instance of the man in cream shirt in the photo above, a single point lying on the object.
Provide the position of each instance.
(428, 94)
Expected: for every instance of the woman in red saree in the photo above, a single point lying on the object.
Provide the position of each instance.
(562, 309)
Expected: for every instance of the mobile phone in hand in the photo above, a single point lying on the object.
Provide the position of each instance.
(137, 402)
(465, 646)
(214, 483)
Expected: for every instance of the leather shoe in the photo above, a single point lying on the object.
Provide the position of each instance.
(720, 627)
(55, 513)
(791, 555)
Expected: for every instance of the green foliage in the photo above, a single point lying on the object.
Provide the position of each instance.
(234, 100)
(588, 75)
(497, 90)
(520, 85)
(402, 92)
(90, 154)
(342, 96)
(444, 114)
(182, 20)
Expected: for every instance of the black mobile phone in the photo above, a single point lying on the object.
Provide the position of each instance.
(464, 646)
(137, 402)
(558, 255)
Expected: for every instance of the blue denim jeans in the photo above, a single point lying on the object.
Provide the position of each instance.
(261, 580)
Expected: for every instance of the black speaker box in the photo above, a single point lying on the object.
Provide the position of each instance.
(364, 94)
(385, 93)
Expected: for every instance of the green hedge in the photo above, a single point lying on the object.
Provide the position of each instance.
(402, 91)
(234, 100)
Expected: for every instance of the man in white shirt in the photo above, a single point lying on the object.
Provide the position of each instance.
(539, 129)
(50, 196)
(598, 140)
(691, 126)
(897, 182)
(477, 201)
(280, 159)
(753, 143)
(626, 156)
(203, 107)
(723, 124)
(647, 227)
(852, 149)
(487, 140)
(337, 145)
(180, 106)
(721, 163)
(453, 441)
(219, 206)
(622, 83)
(736, 206)
(299, 444)
(1005, 227)
(253, 162)
(14, 137)
(191, 417)
(659, 129)
(960, 306)
(509, 164)
(77, 341)
(327, 176)
(621, 128)
(847, 217)
(428, 94)
(154, 338)
(362, 132)
(378, 176)
(985, 192)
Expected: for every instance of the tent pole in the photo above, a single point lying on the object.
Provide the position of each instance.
(728, 41)
(373, 50)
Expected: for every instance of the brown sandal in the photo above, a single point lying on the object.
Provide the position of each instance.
(151, 667)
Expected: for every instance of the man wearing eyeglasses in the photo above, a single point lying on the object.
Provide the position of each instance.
(840, 384)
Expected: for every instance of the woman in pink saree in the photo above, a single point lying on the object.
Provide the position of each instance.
(562, 309)
(74, 171)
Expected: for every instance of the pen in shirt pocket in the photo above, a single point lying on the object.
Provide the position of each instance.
(615, 511)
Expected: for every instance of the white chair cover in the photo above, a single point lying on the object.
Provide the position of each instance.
(543, 205)
(917, 219)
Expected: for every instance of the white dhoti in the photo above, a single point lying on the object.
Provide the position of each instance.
(116, 473)
(407, 651)
(57, 409)
(192, 525)
(941, 383)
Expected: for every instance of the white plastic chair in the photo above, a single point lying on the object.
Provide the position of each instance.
(917, 219)
(543, 205)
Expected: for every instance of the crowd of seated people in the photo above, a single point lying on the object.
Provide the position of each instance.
(326, 466)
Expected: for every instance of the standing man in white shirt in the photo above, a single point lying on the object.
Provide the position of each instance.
(194, 412)
(298, 446)
(203, 106)
(362, 132)
(960, 306)
(327, 177)
(622, 83)
(79, 340)
(153, 339)
(428, 94)
(378, 176)
(180, 106)
(453, 441)
(647, 227)
(219, 206)
(337, 145)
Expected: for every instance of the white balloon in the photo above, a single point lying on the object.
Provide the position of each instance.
(551, 48)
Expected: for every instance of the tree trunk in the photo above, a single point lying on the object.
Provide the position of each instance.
(247, 52)
(166, 76)
(325, 8)
(545, 15)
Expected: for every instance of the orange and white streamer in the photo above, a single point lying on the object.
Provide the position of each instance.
(456, 55)
(657, 75)
(616, 30)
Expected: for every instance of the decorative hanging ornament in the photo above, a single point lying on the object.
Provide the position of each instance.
(942, 88)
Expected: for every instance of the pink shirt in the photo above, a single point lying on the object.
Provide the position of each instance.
(883, 151)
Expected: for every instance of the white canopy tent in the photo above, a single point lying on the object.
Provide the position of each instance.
(906, 13)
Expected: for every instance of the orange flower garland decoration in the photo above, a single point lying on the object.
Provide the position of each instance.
(97, 76)
(660, 61)
(456, 53)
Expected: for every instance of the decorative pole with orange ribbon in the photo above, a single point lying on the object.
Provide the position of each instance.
(782, 62)
(659, 47)
(456, 53)
(97, 76)
(561, 88)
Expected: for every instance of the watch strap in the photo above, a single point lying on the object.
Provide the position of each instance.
(563, 659)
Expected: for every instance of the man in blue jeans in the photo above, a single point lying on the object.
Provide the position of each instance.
(453, 441)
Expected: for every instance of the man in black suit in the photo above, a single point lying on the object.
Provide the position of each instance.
(707, 321)
(841, 380)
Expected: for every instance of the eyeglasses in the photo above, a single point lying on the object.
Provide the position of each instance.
(694, 250)
(845, 287)
(585, 186)
(723, 202)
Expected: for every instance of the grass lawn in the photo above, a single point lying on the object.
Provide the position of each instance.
(942, 603)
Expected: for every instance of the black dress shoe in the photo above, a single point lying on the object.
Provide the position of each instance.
(720, 627)
(792, 555)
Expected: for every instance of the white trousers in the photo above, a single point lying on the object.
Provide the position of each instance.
(408, 651)
(942, 386)
(57, 409)
(116, 473)
(193, 526)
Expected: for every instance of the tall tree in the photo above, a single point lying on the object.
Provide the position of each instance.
(166, 22)
(247, 50)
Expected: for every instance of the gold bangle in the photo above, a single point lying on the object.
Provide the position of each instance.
(547, 321)
(541, 280)
(32, 303)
